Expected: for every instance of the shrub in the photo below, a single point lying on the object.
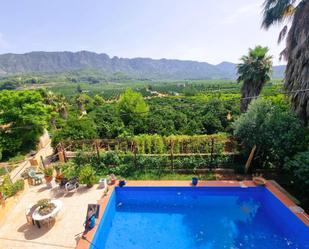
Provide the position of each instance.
(43, 203)
(9, 189)
(273, 128)
(76, 128)
(19, 185)
(69, 170)
(45, 206)
(48, 171)
(16, 158)
(111, 158)
(2, 171)
(88, 175)
(299, 166)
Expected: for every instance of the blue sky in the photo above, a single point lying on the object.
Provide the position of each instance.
(203, 30)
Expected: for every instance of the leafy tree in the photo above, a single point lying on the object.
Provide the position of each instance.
(180, 122)
(299, 166)
(98, 100)
(80, 101)
(70, 170)
(58, 103)
(84, 102)
(296, 51)
(194, 127)
(254, 72)
(211, 123)
(87, 175)
(132, 105)
(49, 97)
(275, 131)
(61, 106)
(76, 129)
(108, 124)
(214, 116)
(79, 89)
(25, 116)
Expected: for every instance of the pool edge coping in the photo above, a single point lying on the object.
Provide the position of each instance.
(103, 201)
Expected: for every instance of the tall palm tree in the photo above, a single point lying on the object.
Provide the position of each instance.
(50, 98)
(296, 51)
(62, 107)
(254, 72)
(80, 101)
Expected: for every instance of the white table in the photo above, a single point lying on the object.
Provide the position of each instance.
(37, 217)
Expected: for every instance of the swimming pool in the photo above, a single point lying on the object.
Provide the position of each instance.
(196, 218)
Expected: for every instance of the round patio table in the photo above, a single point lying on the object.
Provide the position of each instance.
(37, 217)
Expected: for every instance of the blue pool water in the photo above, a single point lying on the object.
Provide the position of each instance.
(196, 218)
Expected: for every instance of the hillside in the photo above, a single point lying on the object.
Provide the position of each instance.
(138, 68)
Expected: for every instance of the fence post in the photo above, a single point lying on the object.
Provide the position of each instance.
(42, 161)
(97, 149)
(172, 154)
(212, 151)
(61, 156)
(134, 147)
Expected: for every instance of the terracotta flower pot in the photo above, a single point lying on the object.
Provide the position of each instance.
(48, 179)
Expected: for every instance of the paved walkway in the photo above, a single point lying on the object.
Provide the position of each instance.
(16, 233)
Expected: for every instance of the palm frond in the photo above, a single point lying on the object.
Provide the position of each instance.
(283, 54)
(282, 34)
(276, 11)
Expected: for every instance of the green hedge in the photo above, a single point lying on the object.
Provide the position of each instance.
(156, 144)
(126, 164)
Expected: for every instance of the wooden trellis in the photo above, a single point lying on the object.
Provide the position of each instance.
(68, 148)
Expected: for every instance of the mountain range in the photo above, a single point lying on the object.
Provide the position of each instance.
(136, 68)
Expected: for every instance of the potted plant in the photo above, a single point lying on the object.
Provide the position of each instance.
(57, 168)
(59, 175)
(111, 179)
(194, 181)
(48, 174)
(122, 182)
(87, 175)
(45, 206)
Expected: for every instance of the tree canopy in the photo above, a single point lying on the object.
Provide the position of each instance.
(272, 127)
(254, 71)
(23, 115)
(131, 104)
(296, 51)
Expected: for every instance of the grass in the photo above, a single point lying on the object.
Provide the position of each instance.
(16, 159)
(171, 176)
(2, 171)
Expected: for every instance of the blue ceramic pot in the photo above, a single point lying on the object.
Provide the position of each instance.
(194, 181)
(122, 183)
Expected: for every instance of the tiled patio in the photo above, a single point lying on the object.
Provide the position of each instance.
(16, 233)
